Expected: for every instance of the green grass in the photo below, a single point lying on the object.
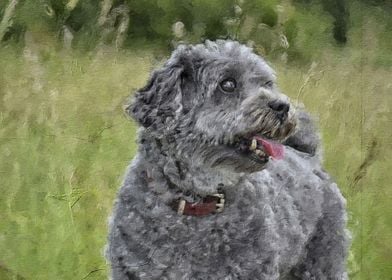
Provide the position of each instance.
(65, 143)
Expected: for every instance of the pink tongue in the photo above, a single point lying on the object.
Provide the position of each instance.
(273, 149)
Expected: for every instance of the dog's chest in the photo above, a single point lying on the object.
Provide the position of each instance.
(262, 232)
(264, 226)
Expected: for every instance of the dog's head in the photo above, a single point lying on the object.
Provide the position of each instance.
(216, 103)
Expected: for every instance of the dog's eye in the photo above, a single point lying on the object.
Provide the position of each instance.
(228, 85)
(269, 84)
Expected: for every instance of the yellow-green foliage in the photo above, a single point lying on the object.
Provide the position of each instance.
(65, 143)
(64, 146)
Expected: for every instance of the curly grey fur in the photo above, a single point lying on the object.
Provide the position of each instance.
(283, 220)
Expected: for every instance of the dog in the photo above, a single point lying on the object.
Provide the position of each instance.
(227, 181)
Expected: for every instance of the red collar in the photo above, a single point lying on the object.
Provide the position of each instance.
(208, 205)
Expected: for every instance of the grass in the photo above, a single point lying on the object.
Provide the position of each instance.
(65, 144)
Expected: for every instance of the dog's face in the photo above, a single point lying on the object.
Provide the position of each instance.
(217, 104)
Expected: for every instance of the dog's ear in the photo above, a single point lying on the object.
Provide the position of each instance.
(161, 99)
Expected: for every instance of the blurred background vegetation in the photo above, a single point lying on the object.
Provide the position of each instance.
(67, 66)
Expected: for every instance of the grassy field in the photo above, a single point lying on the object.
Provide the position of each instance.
(64, 145)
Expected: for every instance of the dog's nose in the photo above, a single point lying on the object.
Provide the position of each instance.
(280, 108)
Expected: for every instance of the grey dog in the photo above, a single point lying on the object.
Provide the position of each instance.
(227, 181)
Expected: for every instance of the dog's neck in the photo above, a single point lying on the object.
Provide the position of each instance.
(184, 174)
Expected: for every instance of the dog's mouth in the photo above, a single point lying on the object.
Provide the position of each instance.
(259, 148)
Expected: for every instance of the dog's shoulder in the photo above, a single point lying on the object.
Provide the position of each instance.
(299, 177)
(306, 137)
